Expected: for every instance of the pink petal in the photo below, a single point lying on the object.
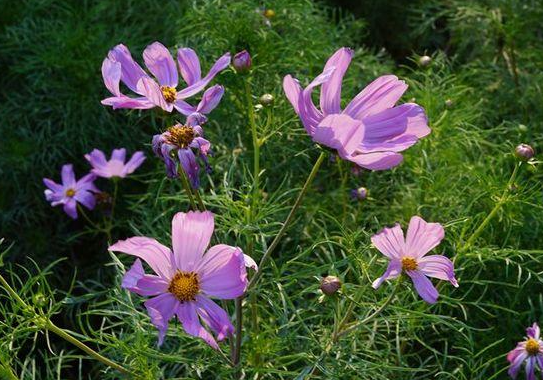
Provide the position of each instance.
(222, 272)
(119, 154)
(161, 309)
(379, 95)
(191, 234)
(160, 63)
(376, 160)
(437, 266)
(151, 90)
(159, 257)
(393, 270)
(293, 91)
(212, 96)
(214, 316)
(330, 98)
(422, 237)
(189, 319)
(424, 286)
(516, 358)
(136, 281)
(135, 162)
(184, 107)
(339, 132)
(249, 262)
(390, 242)
(96, 158)
(131, 72)
(111, 73)
(307, 109)
(126, 102)
(221, 64)
(189, 65)
(533, 331)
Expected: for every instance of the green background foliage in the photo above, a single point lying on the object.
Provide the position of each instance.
(486, 58)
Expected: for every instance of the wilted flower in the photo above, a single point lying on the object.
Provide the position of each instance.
(70, 192)
(182, 144)
(115, 167)
(370, 131)
(524, 152)
(162, 92)
(408, 255)
(425, 61)
(330, 285)
(242, 61)
(187, 278)
(360, 194)
(529, 351)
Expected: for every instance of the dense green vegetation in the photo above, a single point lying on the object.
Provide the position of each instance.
(482, 93)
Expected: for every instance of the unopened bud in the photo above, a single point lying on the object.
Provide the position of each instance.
(242, 62)
(39, 300)
(524, 152)
(266, 99)
(360, 194)
(522, 128)
(330, 285)
(269, 13)
(449, 103)
(425, 61)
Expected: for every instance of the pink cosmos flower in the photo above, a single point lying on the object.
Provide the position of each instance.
(70, 192)
(119, 66)
(370, 131)
(530, 352)
(186, 279)
(408, 255)
(116, 166)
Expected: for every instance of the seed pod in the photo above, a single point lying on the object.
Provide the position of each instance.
(425, 61)
(266, 99)
(330, 285)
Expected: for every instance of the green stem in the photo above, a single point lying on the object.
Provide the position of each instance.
(239, 326)
(187, 187)
(48, 325)
(89, 220)
(256, 147)
(287, 221)
(199, 200)
(501, 201)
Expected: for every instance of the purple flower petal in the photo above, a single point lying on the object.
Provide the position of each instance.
(222, 272)
(151, 90)
(438, 266)
(249, 262)
(118, 154)
(86, 198)
(212, 96)
(516, 357)
(184, 107)
(378, 96)
(214, 316)
(111, 73)
(136, 281)
(293, 91)
(377, 160)
(530, 367)
(189, 65)
(533, 331)
(221, 64)
(135, 162)
(393, 270)
(159, 257)
(187, 159)
(307, 109)
(126, 102)
(131, 72)
(339, 132)
(55, 187)
(390, 242)
(189, 319)
(191, 234)
(70, 208)
(422, 237)
(424, 286)
(330, 98)
(161, 309)
(160, 63)
(68, 176)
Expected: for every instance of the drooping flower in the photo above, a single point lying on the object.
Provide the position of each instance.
(408, 256)
(530, 352)
(71, 191)
(188, 277)
(119, 66)
(371, 130)
(116, 166)
(181, 145)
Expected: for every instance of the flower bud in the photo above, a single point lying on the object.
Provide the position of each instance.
(266, 99)
(242, 62)
(522, 128)
(524, 152)
(330, 285)
(269, 13)
(359, 194)
(425, 61)
(39, 300)
(449, 103)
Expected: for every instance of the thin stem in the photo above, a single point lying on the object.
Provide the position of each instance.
(497, 207)
(239, 327)
(48, 325)
(89, 220)
(199, 200)
(256, 147)
(114, 200)
(187, 187)
(287, 221)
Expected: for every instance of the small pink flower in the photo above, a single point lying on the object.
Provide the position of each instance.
(187, 277)
(115, 167)
(529, 351)
(408, 255)
(71, 191)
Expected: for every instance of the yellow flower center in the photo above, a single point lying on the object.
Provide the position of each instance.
(180, 136)
(409, 263)
(185, 286)
(70, 193)
(169, 93)
(532, 346)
